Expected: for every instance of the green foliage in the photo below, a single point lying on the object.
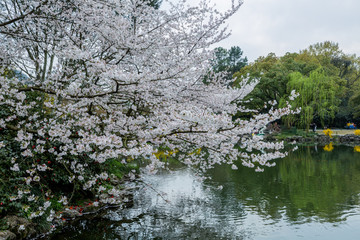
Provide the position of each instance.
(318, 97)
(230, 60)
(3, 224)
(154, 3)
(346, 68)
(6, 72)
(278, 76)
(9, 182)
(272, 83)
(325, 52)
(273, 75)
(355, 103)
(119, 169)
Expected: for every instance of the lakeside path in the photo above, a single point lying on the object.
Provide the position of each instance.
(337, 132)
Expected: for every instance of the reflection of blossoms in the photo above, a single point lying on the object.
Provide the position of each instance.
(329, 147)
(357, 148)
(258, 169)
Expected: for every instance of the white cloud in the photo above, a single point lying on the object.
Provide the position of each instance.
(280, 26)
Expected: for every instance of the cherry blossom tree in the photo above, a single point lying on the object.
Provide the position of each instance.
(118, 79)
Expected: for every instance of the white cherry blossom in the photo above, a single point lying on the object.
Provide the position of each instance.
(119, 81)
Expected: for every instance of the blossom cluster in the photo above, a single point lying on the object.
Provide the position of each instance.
(118, 80)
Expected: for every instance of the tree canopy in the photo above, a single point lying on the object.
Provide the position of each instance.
(230, 61)
(109, 83)
(317, 97)
(280, 75)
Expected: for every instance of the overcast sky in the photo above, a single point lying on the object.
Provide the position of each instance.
(280, 26)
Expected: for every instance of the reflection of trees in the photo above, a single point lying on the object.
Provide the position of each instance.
(321, 184)
(304, 186)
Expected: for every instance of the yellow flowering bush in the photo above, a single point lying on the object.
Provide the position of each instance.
(164, 154)
(328, 132)
(357, 132)
(329, 147)
(357, 148)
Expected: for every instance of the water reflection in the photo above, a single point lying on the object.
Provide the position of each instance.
(178, 206)
(356, 148)
(307, 186)
(312, 194)
(172, 206)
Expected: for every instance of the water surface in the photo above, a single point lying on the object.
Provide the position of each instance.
(312, 194)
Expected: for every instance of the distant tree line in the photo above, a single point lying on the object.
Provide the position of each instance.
(327, 79)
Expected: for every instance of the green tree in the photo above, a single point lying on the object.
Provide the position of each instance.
(337, 64)
(318, 98)
(155, 3)
(274, 74)
(230, 61)
(325, 52)
(349, 72)
(354, 101)
(272, 84)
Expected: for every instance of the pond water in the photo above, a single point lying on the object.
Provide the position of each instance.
(312, 194)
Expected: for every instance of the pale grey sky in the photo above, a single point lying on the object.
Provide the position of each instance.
(280, 26)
